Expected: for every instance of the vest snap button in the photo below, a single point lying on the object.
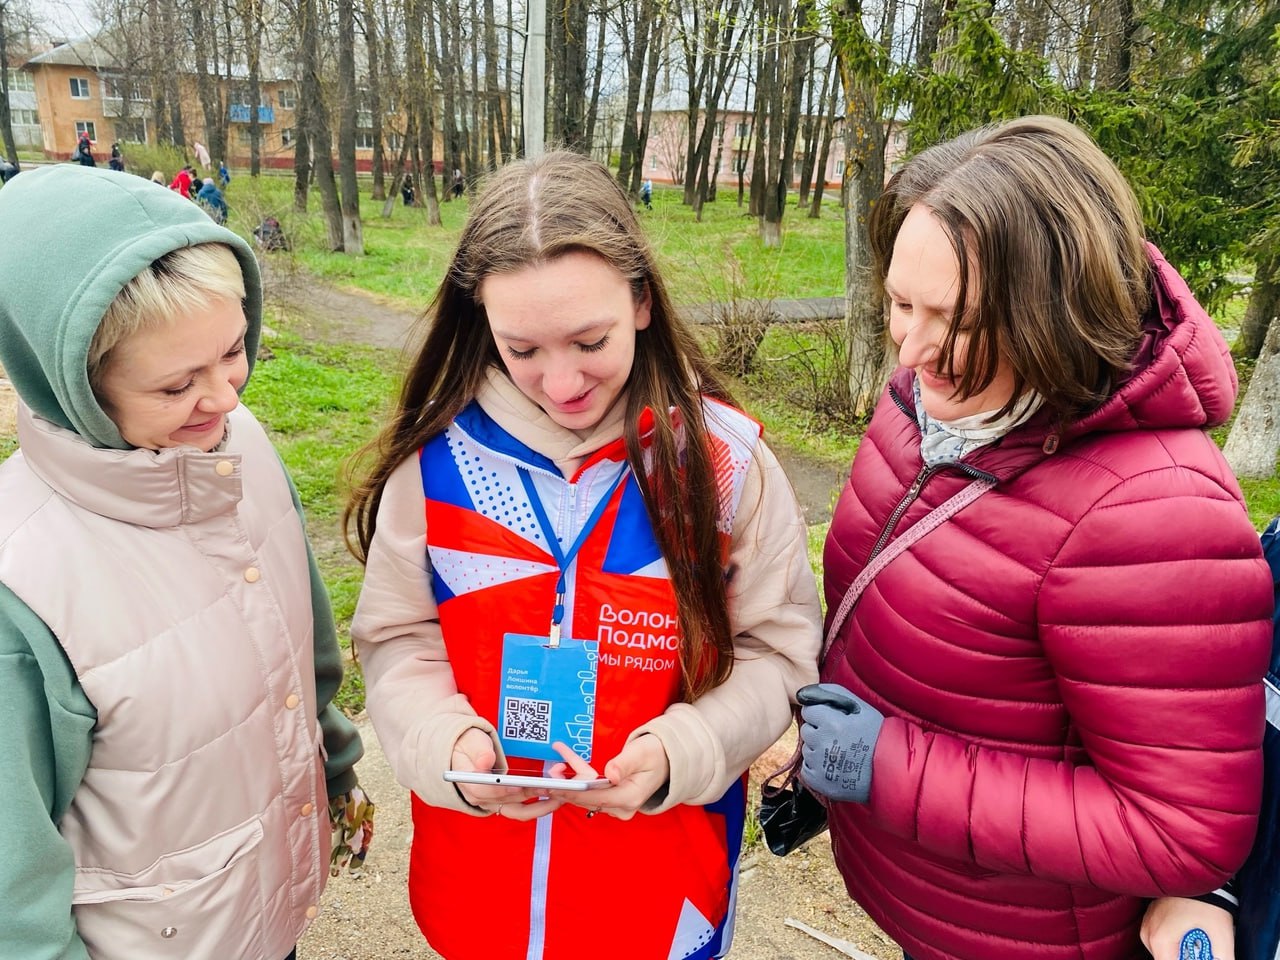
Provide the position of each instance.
(169, 932)
(252, 575)
(306, 809)
(224, 468)
(291, 701)
(312, 911)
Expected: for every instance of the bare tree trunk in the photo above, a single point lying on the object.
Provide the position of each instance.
(863, 184)
(177, 129)
(764, 98)
(499, 133)
(811, 124)
(206, 87)
(646, 111)
(397, 175)
(634, 53)
(252, 14)
(724, 57)
(321, 140)
(828, 134)
(427, 129)
(1264, 304)
(445, 68)
(475, 149)
(6, 119)
(1120, 46)
(301, 153)
(593, 107)
(574, 76)
(379, 159)
(1255, 436)
(352, 229)
(930, 26)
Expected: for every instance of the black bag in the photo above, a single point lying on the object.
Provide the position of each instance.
(790, 816)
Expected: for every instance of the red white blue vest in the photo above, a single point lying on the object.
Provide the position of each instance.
(564, 887)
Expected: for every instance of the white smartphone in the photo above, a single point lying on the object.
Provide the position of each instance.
(517, 780)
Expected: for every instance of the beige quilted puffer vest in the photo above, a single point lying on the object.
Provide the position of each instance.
(200, 830)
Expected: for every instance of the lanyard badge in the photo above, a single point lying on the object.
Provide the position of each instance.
(547, 691)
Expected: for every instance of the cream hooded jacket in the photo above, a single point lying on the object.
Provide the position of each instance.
(167, 653)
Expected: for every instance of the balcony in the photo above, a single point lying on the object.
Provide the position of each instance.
(114, 107)
(239, 113)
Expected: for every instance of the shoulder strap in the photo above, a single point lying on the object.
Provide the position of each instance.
(934, 519)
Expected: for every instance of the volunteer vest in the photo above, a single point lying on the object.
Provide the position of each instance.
(566, 887)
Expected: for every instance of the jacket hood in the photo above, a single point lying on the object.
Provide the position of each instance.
(78, 235)
(1183, 374)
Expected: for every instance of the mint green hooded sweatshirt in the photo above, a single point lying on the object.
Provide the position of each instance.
(74, 236)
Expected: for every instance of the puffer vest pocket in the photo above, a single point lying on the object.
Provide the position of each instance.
(201, 903)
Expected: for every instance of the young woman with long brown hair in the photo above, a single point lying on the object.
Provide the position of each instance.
(580, 560)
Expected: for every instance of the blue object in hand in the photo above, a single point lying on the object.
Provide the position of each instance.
(1196, 946)
(837, 742)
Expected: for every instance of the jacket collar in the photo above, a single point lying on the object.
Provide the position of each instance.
(528, 423)
(156, 489)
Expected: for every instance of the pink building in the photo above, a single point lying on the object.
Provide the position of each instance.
(735, 145)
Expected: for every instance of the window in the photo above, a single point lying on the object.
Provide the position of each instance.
(653, 163)
(740, 162)
(839, 168)
(79, 88)
(28, 118)
(135, 131)
(115, 88)
(364, 139)
(742, 129)
(288, 98)
(393, 142)
(286, 136)
(21, 81)
(86, 126)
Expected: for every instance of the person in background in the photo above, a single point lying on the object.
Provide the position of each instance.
(566, 493)
(406, 190)
(210, 198)
(157, 177)
(116, 162)
(224, 175)
(181, 183)
(1049, 708)
(176, 774)
(646, 194)
(84, 151)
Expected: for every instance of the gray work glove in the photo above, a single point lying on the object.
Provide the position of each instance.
(838, 740)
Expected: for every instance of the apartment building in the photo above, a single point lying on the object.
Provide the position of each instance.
(23, 111)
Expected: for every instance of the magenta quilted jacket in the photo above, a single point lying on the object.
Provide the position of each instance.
(1070, 667)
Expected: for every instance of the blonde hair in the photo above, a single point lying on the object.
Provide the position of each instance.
(529, 213)
(173, 286)
(1051, 232)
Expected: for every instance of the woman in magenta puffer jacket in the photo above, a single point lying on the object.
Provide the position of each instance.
(1048, 708)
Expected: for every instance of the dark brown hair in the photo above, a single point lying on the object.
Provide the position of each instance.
(1052, 233)
(528, 213)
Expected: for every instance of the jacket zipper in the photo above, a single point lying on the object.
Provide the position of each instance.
(913, 492)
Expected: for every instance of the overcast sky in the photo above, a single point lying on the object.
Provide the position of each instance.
(64, 19)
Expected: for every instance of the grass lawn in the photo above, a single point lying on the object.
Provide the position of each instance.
(718, 259)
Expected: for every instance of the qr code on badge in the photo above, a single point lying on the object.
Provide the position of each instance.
(528, 720)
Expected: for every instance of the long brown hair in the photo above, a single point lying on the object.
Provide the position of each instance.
(530, 212)
(1053, 234)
